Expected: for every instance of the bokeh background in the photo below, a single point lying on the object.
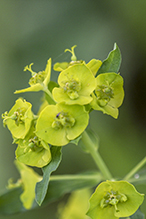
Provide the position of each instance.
(35, 30)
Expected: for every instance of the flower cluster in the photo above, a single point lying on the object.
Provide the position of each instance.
(65, 115)
(62, 119)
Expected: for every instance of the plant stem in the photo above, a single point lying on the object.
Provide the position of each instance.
(135, 169)
(95, 177)
(45, 89)
(96, 156)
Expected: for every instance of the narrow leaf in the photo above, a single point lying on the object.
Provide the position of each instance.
(10, 202)
(112, 62)
(42, 186)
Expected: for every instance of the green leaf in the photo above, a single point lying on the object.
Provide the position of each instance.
(41, 187)
(112, 62)
(59, 185)
(10, 202)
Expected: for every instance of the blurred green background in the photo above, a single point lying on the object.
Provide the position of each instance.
(35, 30)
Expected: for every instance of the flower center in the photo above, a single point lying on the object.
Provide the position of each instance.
(63, 119)
(72, 87)
(33, 144)
(17, 116)
(37, 78)
(104, 93)
(112, 198)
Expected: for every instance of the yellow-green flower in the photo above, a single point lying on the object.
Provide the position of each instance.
(19, 118)
(109, 94)
(38, 81)
(60, 123)
(76, 206)
(28, 181)
(113, 200)
(76, 85)
(33, 151)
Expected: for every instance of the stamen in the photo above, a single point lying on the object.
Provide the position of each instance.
(72, 87)
(112, 198)
(37, 78)
(104, 93)
(63, 119)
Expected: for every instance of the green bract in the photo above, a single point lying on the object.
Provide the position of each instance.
(59, 66)
(38, 81)
(76, 84)
(58, 124)
(114, 199)
(19, 118)
(28, 180)
(109, 93)
(33, 151)
(94, 65)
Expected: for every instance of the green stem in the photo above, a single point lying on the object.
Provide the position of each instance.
(35, 117)
(135, 169)
(139, 179)
(96, 156)
(45, 89)
(95, 177)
